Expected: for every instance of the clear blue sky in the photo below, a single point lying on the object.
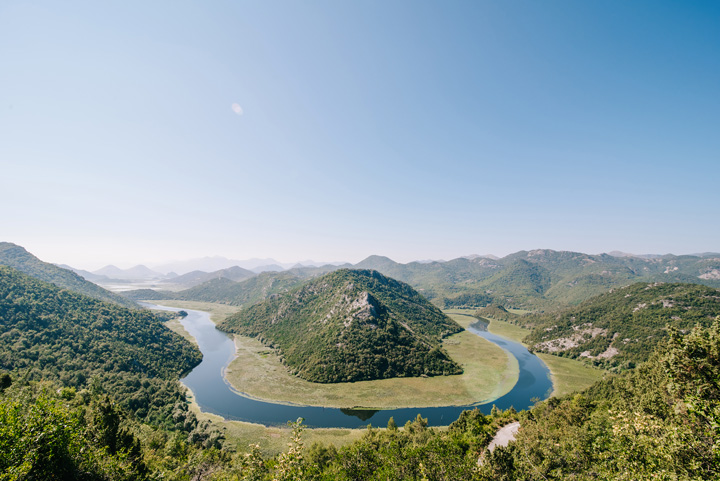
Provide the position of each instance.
(147, 131)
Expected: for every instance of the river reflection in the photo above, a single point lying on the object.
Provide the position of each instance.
(215, 395)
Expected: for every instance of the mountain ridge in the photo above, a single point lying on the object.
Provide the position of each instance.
(18, 258)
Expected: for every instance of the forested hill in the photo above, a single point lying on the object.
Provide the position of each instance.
(51, 333)
(539, 280)
(621, 328)
(351, 325)
(18, 258)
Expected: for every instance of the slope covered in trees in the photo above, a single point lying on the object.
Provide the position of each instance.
(351, 325)
(54, 334)
(659, 421)
(623, 327)
(540, 280)
(18, 258)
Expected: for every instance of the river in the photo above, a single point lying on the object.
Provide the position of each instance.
(214, 394)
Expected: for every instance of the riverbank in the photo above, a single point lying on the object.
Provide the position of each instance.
(256, 372)
(568, 375)
(488, 374)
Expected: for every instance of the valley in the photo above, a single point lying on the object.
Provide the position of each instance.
(246, 388)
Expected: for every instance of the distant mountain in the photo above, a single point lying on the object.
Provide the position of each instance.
(707, 254)
(87, 275)
(212, 264)
(195, 278)
(351, 325)
(622, 327)
(268, 268)
(18, 258)
(138, 272)
(249, 291)
(540, 279)
(477, 256)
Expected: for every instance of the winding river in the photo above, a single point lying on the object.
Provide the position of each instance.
(214, 394)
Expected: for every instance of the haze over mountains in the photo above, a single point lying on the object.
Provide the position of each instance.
(537, 280)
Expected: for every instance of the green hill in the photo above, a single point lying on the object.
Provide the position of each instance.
(538, 280)
(195, 278)
(18, 258)
(622, 327)
(351, 325)
(55, 334)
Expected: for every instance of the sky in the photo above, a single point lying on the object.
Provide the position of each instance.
(142, 132)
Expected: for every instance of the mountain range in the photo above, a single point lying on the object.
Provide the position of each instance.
(536, 280)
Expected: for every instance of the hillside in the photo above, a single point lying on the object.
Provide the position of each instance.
(351, 325)
(52, 333)
(539, 280)
(194, 278)
(18, 258)
(621, 328)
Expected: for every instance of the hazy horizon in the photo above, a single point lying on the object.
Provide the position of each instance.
(287, 263)
(136, 133)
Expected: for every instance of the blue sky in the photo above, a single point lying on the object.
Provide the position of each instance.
(412, 129)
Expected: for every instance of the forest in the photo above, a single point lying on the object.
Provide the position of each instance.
(351, 325)
(89, 390)
(658, 421)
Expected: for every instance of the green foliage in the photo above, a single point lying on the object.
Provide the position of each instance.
(18, 258)
(658, 421)
(467, 299)
(50, 333)
(44, 438)
(497, 312)
(247, 292)
(626, 324)
(351, 325)
(693, 366)
(538, 280)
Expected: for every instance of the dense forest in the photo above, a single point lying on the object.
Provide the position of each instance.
(351, 325)
(659, 421)
(81, 343)
(14, 256)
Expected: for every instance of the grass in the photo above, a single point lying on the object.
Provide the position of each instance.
(488, 374)
(178, 328)
(568, 375)
(473, 352)
(218, 312)
(272, 440)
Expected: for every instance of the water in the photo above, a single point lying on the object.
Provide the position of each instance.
(215, 395)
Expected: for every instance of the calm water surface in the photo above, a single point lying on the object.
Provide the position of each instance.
(215, 395)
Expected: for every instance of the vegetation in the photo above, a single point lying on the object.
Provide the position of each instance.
(657, 421)
(660, 420)
(14, 256)
(495, 311)
(622, 328)
(538, 280)
(351, 325)
(82, 343)
(488, 373)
